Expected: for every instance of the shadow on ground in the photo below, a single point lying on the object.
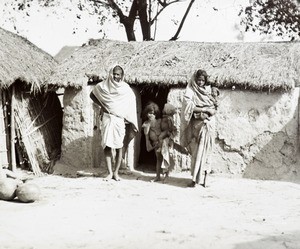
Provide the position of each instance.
(286, 240)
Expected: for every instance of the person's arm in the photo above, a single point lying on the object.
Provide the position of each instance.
(174, 130)
(210, 110)
(149, 146)
(146, 129)
(95, 100)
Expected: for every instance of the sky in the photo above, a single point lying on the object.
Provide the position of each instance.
(208, 21)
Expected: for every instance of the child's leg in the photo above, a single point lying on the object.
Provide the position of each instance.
(158, 166)
(166, 176)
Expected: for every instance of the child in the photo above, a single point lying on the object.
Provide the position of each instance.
(152, 131)
(166, 138)
(168, 129)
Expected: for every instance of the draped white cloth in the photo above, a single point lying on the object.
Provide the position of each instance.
(198, 135)
(196, 96)
(112, 131)
(118, 100)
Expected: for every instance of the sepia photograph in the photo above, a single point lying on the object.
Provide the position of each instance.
(150, 124)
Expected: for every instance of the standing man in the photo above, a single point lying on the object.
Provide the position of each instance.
(118, 103)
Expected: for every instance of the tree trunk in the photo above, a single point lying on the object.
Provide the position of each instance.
(127, 21)
(143, 14)
(129, 30)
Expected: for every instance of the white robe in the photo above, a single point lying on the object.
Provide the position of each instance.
(119, 101)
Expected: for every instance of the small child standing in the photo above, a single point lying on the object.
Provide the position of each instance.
(152, 131)
(168, 129)
(166, 138)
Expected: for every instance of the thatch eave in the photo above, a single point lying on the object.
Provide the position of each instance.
(21, 60)
(253, 66)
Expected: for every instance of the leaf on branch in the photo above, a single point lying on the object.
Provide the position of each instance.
(174, 21)
(21, 6)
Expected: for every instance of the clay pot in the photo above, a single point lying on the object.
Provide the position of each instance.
(28, 192)
(8, 188)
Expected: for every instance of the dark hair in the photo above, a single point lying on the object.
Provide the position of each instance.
(120, 68)
(201, 72)
(151, 107)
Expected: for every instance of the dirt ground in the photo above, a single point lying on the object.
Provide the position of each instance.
(87, 212)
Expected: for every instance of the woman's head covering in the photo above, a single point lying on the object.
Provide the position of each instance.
(193, 84)
(196, 95)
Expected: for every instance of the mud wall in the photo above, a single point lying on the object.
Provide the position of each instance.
(80, 136)
(257, 134)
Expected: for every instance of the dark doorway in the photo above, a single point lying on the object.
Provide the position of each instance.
(157, 94)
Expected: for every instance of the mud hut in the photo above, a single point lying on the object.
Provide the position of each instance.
(257, 121)
(31, 115)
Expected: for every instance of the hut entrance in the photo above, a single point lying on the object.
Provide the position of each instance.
(157, 94)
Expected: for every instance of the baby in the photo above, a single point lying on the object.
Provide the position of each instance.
(214, 99)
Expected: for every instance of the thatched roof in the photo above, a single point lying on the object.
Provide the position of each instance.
(258, 66)
(65, 52)
(22, 60)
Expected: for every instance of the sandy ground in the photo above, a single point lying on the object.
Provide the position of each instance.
(87, 212)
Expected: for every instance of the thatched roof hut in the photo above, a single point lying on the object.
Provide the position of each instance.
(21, 60)
(257, 122)
(245, 65)
(28, 104)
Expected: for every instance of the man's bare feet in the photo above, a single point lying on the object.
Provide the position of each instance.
(109, 177)
(116, 177)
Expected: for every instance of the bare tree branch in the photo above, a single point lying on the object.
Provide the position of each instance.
(115, 7)
(164, 5)
(175, 37)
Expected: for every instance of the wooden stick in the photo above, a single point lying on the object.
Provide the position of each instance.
(12, 131)
(3, 145)
(7, 125)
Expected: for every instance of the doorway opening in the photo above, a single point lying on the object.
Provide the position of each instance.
(157, 94)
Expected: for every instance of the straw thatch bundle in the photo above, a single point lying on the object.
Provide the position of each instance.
(35, 112)
(253, 66)
(38, 122)
(22, 60)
